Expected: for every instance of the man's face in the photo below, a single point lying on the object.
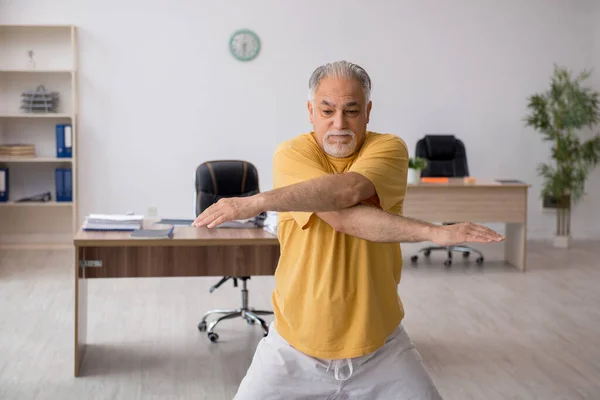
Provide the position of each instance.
(339, 116)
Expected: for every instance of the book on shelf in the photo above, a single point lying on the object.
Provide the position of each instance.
(3, 185)
(64, 184)
(64, 141)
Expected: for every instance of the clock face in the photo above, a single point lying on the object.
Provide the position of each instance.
(244, 45)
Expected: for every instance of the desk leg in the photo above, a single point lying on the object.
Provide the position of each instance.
(515, 249)
(81, 297)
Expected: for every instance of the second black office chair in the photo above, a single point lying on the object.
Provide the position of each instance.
(446, 157)
(214, 181)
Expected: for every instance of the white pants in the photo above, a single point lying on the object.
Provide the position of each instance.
(279, 371)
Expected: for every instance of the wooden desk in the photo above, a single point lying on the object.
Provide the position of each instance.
(481, 202)
(191, 252)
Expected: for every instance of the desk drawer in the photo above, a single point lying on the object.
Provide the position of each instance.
(166, 261)
(466, 203)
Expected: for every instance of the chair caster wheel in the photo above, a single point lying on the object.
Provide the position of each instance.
(427, 253)
(250, 321)
(213, 337)
(448, 263)
(414, 259)
(466, 254)
(479, 260)
(202, 326)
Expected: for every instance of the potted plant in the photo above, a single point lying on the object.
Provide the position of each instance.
(415, 166)
(560, 114)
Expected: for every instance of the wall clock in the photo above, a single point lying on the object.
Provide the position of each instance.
(244, 45)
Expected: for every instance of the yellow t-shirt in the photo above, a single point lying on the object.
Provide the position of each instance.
(336, 295)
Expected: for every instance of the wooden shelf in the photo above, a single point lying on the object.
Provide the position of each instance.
(41, 26)
(37, 115)
(36, 204)
(35, 160)
(41, 71)
(33, 55)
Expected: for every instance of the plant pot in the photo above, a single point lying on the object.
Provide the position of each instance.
(414, 176)
(562, 242)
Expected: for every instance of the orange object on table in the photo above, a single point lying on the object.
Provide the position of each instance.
(431, 179)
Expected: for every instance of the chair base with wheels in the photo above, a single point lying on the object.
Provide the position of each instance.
(446, 157)
(249, 314)
(216, 180)
(466, 252)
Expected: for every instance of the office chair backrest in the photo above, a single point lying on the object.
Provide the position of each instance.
(226, 178)
(445, 154)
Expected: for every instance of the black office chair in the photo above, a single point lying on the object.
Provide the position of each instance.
(446, 157)
(216, 180)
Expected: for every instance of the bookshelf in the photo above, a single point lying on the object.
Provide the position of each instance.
(30, 56)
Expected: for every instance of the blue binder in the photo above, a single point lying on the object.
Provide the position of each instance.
(68, 181)
(64, 185)
(64, 141)
(3, 185)
(60, 184)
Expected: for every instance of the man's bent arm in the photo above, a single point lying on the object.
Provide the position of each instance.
(326, 193)
(376, 225)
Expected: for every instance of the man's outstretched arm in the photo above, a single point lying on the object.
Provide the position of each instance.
(375, 225)
(327, 193)
(361, 221)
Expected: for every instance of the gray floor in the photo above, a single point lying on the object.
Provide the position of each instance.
(484, 334)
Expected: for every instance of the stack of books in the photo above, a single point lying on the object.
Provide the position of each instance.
(20, 150)
(113, 222)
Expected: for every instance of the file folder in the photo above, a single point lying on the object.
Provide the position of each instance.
(3, 185)
(152, 233)
(64, 141)
(68, 182)
(64, 184)
(60, 184)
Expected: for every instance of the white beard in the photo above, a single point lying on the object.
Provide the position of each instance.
(339, 150)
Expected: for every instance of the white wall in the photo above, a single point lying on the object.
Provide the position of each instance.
(160, 91)
(595, 52)
(587, 215)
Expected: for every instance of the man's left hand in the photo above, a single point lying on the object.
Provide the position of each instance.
(229, 209)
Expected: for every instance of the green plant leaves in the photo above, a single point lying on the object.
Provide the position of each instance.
(417, 163)
(558, 114)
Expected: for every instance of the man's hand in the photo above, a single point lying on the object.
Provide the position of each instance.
(229, 209)
(450, 235)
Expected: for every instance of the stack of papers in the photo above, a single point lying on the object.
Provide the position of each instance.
(270, 223)
(112, 222)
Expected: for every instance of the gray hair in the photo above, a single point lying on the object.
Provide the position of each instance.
(340, 69)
